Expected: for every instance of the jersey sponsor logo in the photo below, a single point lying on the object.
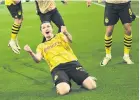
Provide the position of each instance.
(51, 46)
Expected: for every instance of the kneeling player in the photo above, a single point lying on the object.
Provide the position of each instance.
(63, 63)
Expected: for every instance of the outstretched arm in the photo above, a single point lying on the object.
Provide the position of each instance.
(36, 57)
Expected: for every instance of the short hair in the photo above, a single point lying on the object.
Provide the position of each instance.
(43, 23)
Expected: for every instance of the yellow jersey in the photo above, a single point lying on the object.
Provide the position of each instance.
(9, 2)
(46, 5)
(56, 51)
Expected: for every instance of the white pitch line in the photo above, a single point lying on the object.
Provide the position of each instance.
(104, 6)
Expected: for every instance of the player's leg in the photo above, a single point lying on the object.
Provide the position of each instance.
(110, 19)
(57, 19)
(63, 88)
(62, 82)
(89, 83)
(127, 43)
(126, 16)
(16, 12)
(14, 35)
(81, 77)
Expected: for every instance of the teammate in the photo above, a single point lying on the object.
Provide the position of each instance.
(115, 10)
(63, 64)
(15, 9)
(47, 11)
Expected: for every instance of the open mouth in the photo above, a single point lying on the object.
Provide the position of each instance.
(47, 32)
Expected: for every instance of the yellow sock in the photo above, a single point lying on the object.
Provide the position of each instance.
(15, 30)
(127, 43)
(13, 36)
(108, 43)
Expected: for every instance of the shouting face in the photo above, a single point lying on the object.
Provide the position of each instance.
(47, 30)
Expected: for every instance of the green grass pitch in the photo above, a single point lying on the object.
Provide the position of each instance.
(23, 79)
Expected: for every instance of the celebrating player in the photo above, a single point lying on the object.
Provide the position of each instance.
(63, 64)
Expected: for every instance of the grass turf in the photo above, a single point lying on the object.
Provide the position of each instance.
(22, 79)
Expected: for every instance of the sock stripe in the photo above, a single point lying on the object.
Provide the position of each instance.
(16, 25)
(108, 46)
(128, 39)
(15, 29)
(126, 36)
(128, 42)
(128, 46)
(14, 33)
(108, 39)
(109, 42)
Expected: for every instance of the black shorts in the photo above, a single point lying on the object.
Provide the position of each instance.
(53, 16)
(114, 12)
(67, 71)
(16, 11)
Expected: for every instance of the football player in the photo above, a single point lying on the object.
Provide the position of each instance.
(63, 63)
(15, 9)
(115, 10)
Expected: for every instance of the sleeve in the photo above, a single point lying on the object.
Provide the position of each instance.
(40, 49)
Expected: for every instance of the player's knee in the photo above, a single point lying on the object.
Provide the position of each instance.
(92, 85)
(63, 88)
(109, 30)
(128, 31)
(89, 83)
(109, 33)
(19, 21)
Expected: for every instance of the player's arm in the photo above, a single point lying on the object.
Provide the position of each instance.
(68, 37)
(36, 56)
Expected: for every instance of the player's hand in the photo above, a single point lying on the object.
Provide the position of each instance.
(89, 3)
(64, 29)
(27, 48)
